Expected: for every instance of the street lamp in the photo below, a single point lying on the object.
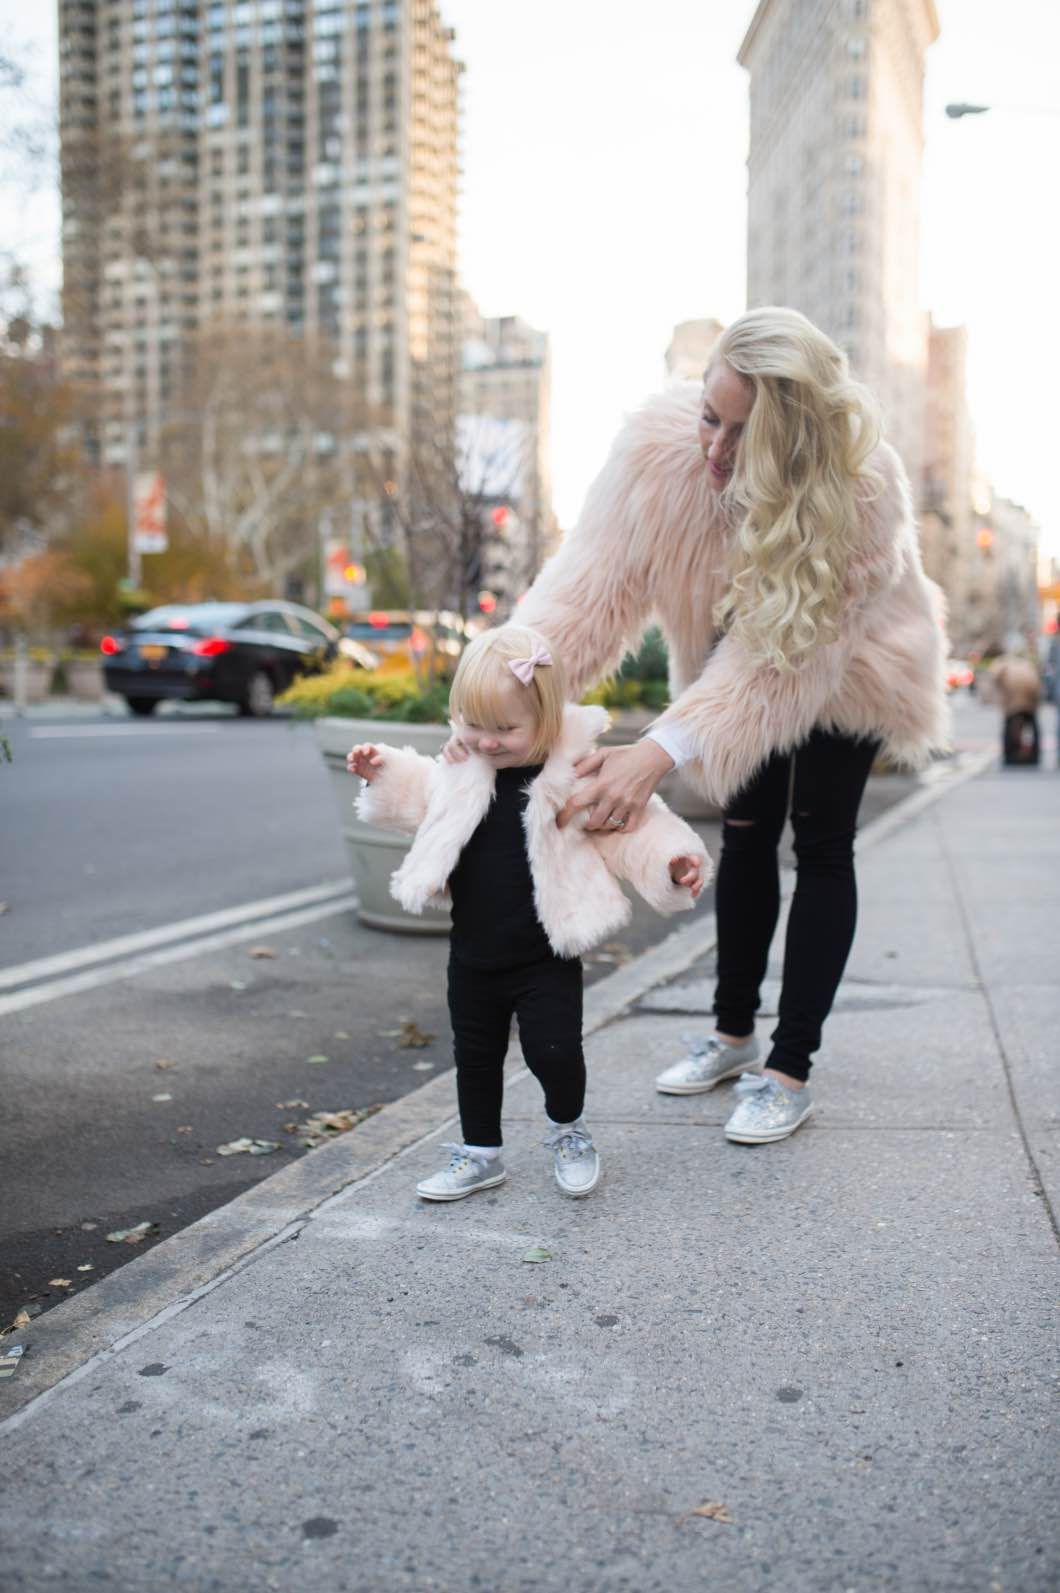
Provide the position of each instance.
(961, 109)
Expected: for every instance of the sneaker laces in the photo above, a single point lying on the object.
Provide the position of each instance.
(700, 1047)
(458, 1154)
(570, 1142)
(749, 1083)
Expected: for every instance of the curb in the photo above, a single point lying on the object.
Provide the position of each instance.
(71, 1338)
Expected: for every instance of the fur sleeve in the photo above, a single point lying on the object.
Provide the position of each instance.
(594, 598)
(397, 797)
(643, 856)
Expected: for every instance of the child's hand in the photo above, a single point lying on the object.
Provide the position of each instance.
(364, 759)
(688, 870)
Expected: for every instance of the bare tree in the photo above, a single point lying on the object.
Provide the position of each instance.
(259, 450)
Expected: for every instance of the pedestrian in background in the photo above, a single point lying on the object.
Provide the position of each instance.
(1018, 687)
(765, 524)
(527, 897)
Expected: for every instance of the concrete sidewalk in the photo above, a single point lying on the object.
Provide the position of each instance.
(844, 1344)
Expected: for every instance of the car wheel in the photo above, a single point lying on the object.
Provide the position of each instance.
(257, 704)
(142, 705)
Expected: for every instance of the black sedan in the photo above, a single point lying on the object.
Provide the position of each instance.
(246, 653)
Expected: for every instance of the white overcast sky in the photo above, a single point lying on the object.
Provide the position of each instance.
(604, 200)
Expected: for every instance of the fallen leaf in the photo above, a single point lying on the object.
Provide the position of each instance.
(88, 1227)
(60, 1283)
(323, 1126)
(423, 1067)
(712, 1510)
(205, 1161)
(162, 1097)
(162, 1064)
(253, 1147)
(536, 1253)
(183, 1128)
(318, 1059)
(237, 984)
(292, 1106)
(132, 1236)
(86, 1266)
(261, 951)
(23, 1319)
(412, 1036)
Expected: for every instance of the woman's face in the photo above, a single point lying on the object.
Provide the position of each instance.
(727, 400)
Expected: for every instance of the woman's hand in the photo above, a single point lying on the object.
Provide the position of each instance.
(455, 751)
(625, 779)
(364, 759)
(688, 870)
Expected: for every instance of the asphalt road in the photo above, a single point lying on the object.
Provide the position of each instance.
(111, 828)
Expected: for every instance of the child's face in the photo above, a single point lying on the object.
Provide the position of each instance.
(507, 743)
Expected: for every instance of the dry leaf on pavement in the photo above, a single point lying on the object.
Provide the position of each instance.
(132, 1236)
(712, 1510)
(162, 1096)
(163, 1063)
(261, 951)
(323, 1126)
(412, 1036)
(253, 1147)
(292, 1106)
(86, 1266)
(60, 1283)
(536, 1253)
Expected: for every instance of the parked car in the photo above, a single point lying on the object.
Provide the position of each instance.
(959, 672)
(246, 653)
(402, 637)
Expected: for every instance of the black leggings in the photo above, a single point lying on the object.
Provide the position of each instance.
(826, 786)
(546, 997)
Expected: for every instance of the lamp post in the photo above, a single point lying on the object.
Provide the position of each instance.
(961, 108)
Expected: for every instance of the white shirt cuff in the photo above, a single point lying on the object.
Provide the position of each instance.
(674, 741)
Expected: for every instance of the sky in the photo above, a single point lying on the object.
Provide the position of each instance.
(604, 200)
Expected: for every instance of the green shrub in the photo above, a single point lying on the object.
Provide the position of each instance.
(358, 694)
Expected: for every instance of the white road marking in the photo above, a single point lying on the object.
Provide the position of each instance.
(61, 732)
(125, 945)
(75, 984)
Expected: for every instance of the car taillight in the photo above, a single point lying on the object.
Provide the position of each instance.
(109, 645)
(211, 647)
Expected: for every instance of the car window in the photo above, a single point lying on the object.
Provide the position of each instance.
(305, 627)
(271, 620)
(190, 617)
(363, 631)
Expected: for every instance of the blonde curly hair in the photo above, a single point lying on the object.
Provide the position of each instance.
(800, 471)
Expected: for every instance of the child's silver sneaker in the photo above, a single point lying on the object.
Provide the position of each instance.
(463, 1175)
(575, 1158)
(767, 1111)
(707, 1063)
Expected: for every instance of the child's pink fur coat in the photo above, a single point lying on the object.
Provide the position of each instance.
(575, 872)
(652, 543)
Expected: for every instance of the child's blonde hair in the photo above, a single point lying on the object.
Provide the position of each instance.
(483, 670)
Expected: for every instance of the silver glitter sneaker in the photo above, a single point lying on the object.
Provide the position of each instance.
(767, 1111)
(462, 1175)
(575, 1158)
(708, 1062)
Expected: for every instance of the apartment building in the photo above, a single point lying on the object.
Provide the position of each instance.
(290, 163)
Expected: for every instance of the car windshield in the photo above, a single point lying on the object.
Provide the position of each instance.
(190, 617)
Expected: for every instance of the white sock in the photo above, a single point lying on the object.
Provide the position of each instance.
(483, 1153)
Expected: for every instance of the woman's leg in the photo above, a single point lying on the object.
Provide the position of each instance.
(747, 895)
(480, 1010)
(548, 1001)
(831, 772)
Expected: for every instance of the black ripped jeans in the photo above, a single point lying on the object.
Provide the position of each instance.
(826, 780)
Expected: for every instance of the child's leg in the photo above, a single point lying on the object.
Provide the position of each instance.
(548, 1002)
(480, 1010)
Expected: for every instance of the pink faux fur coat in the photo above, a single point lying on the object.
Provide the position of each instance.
(651, 543)
(575, 872)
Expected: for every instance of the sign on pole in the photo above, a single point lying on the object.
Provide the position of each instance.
(149, 513)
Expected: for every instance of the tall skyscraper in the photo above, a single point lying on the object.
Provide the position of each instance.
(834, 174)
(286, 163)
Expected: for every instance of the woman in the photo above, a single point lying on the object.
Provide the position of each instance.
(778, 551)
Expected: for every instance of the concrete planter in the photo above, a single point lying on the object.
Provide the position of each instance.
(374, 854)
(25, 681)
(85, 680)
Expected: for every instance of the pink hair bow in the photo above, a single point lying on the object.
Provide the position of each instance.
(523, 668)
